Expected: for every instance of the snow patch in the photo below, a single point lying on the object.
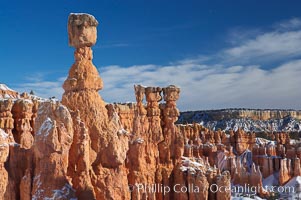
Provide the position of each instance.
(122, 131)
(4, 145)
(190, 165)
(3, 134)
(4, 87)
(264, 142)
(293, 182)
(246, 159)
(272, 125)
(139, 141)
(46, 127)
(7, 96)
(246, 198)
(271, 180)
(63, 193)
(39, 99)
(39, 192)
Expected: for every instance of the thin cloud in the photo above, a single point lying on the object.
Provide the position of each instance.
(42, 88)
(283, 42)
(267, 47)
(294, 23)
(202, 86)
(207, 87)
(238, 79)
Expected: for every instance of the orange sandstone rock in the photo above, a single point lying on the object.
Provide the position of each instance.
(108, 147)
(82, 30)
(53, 139)
(6, 117)
(22, 113)
(224, 182)
(88, 149)
(4, 150)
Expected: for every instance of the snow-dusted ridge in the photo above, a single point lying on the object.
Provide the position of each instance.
(4, 87)
(246, 119)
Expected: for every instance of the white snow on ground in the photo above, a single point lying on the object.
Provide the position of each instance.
(4, 87)
(46, 127)
(63, 193)
(139, 141)
(246, 159)
(187, 162)
(82, 14)
(263, 141)
(7, 96)
(3, 146)
(271, 180)
(189, 165)
(40, 99)
(246, 198)
(122, 131)
(293, 182)
(292, 141)
(39, 191)
(285, 124)
(3, 134)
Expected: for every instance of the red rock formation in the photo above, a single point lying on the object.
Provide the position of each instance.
(243, 141)
(82, 30)
(297, 168)
(282, 138)
(153, 96)
(53, 138)
(142, 157)
(108, 148)
(170, 115)
(22, 113)
(79, 163)
(6, 117)
(19, 167)
(224, 183)
(141, 124)
(284, 174)
(35, 108)
(4, 150)
(126, 114)
(87, 149)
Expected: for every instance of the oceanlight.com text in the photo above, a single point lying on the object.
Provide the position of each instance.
(214, 188)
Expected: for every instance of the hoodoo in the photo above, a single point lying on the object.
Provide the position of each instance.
(83, 148)
(97, 170)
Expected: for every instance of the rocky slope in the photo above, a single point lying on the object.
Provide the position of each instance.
(82, 148)
(247, 119)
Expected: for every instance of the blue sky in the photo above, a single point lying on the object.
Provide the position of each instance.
(221, 53)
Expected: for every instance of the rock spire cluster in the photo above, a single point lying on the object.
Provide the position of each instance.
(83, 148)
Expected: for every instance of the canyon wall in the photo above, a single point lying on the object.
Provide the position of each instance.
(247, 119)
(254, 114)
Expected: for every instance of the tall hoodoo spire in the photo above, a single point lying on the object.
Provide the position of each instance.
(107, 151)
